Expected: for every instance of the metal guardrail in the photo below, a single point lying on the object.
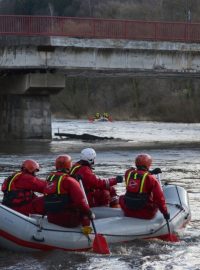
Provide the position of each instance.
(99, 28)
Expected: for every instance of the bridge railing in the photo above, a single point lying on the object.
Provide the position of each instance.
(99, 28)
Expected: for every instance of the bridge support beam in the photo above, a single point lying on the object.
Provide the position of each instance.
(25, 111)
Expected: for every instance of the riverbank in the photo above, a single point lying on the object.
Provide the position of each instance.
(134, 99)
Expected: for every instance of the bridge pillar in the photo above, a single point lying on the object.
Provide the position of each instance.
(25, 117)
(25, 111)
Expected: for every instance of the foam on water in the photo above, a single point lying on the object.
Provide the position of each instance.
(179, 165)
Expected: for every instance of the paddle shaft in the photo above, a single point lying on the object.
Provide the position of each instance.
(82, 187)
(94, 228)
(172, 237)
(168, 227)
(92, 221)
(99, 244)
(167, 221)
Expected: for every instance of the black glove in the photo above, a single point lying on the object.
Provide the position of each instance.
(119, 179)
(166, 216)
(156, 171)
(78, 177)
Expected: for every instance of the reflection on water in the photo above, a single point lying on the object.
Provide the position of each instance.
(179, 165)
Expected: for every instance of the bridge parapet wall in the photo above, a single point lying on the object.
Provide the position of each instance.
(99, 28)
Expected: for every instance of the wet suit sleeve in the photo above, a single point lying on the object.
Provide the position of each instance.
(158, 196)
(76, 194)
(91, 181)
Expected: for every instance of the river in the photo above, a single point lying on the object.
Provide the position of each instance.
(175, 148)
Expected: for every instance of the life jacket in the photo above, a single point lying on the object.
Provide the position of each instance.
(54, 200)
(135, 198)
(97, 115)
(13, 196)
(74, 170)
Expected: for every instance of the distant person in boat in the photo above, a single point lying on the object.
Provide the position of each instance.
(100, 192)
(64, 200)
(97, 116)
(105, 115)
(19, 189)
(144, 195)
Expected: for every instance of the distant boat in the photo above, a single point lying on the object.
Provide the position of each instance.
(101, 119)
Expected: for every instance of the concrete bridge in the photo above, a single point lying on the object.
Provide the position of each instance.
(34, 64)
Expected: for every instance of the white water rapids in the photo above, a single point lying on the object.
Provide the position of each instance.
(175, 148)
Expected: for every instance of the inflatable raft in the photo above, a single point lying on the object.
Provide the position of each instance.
(22, 233)
(101, 119)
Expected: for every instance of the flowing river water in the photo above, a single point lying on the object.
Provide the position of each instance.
(175, 148)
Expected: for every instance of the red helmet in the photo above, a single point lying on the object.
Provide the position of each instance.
(143, 160)
(30, 166)
(63, 162)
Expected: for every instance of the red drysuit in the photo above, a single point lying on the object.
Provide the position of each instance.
(19, 194)
(100, 192)
(144, 195)
(65, 202)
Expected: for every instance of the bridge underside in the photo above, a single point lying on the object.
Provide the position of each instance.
(91, 73)
(130, 73)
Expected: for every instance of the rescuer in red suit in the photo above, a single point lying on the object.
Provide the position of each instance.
(19, 190)
(100, 192)
(144, 195)
(64, 199)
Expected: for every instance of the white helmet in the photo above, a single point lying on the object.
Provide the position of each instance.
(89, 155)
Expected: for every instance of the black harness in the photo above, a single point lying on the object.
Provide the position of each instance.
(136, 200)
(56, 202)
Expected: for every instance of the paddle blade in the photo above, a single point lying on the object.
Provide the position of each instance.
(100, 245)
(173, 238)
(169, 237)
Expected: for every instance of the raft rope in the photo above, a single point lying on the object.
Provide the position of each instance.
(177, 205)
